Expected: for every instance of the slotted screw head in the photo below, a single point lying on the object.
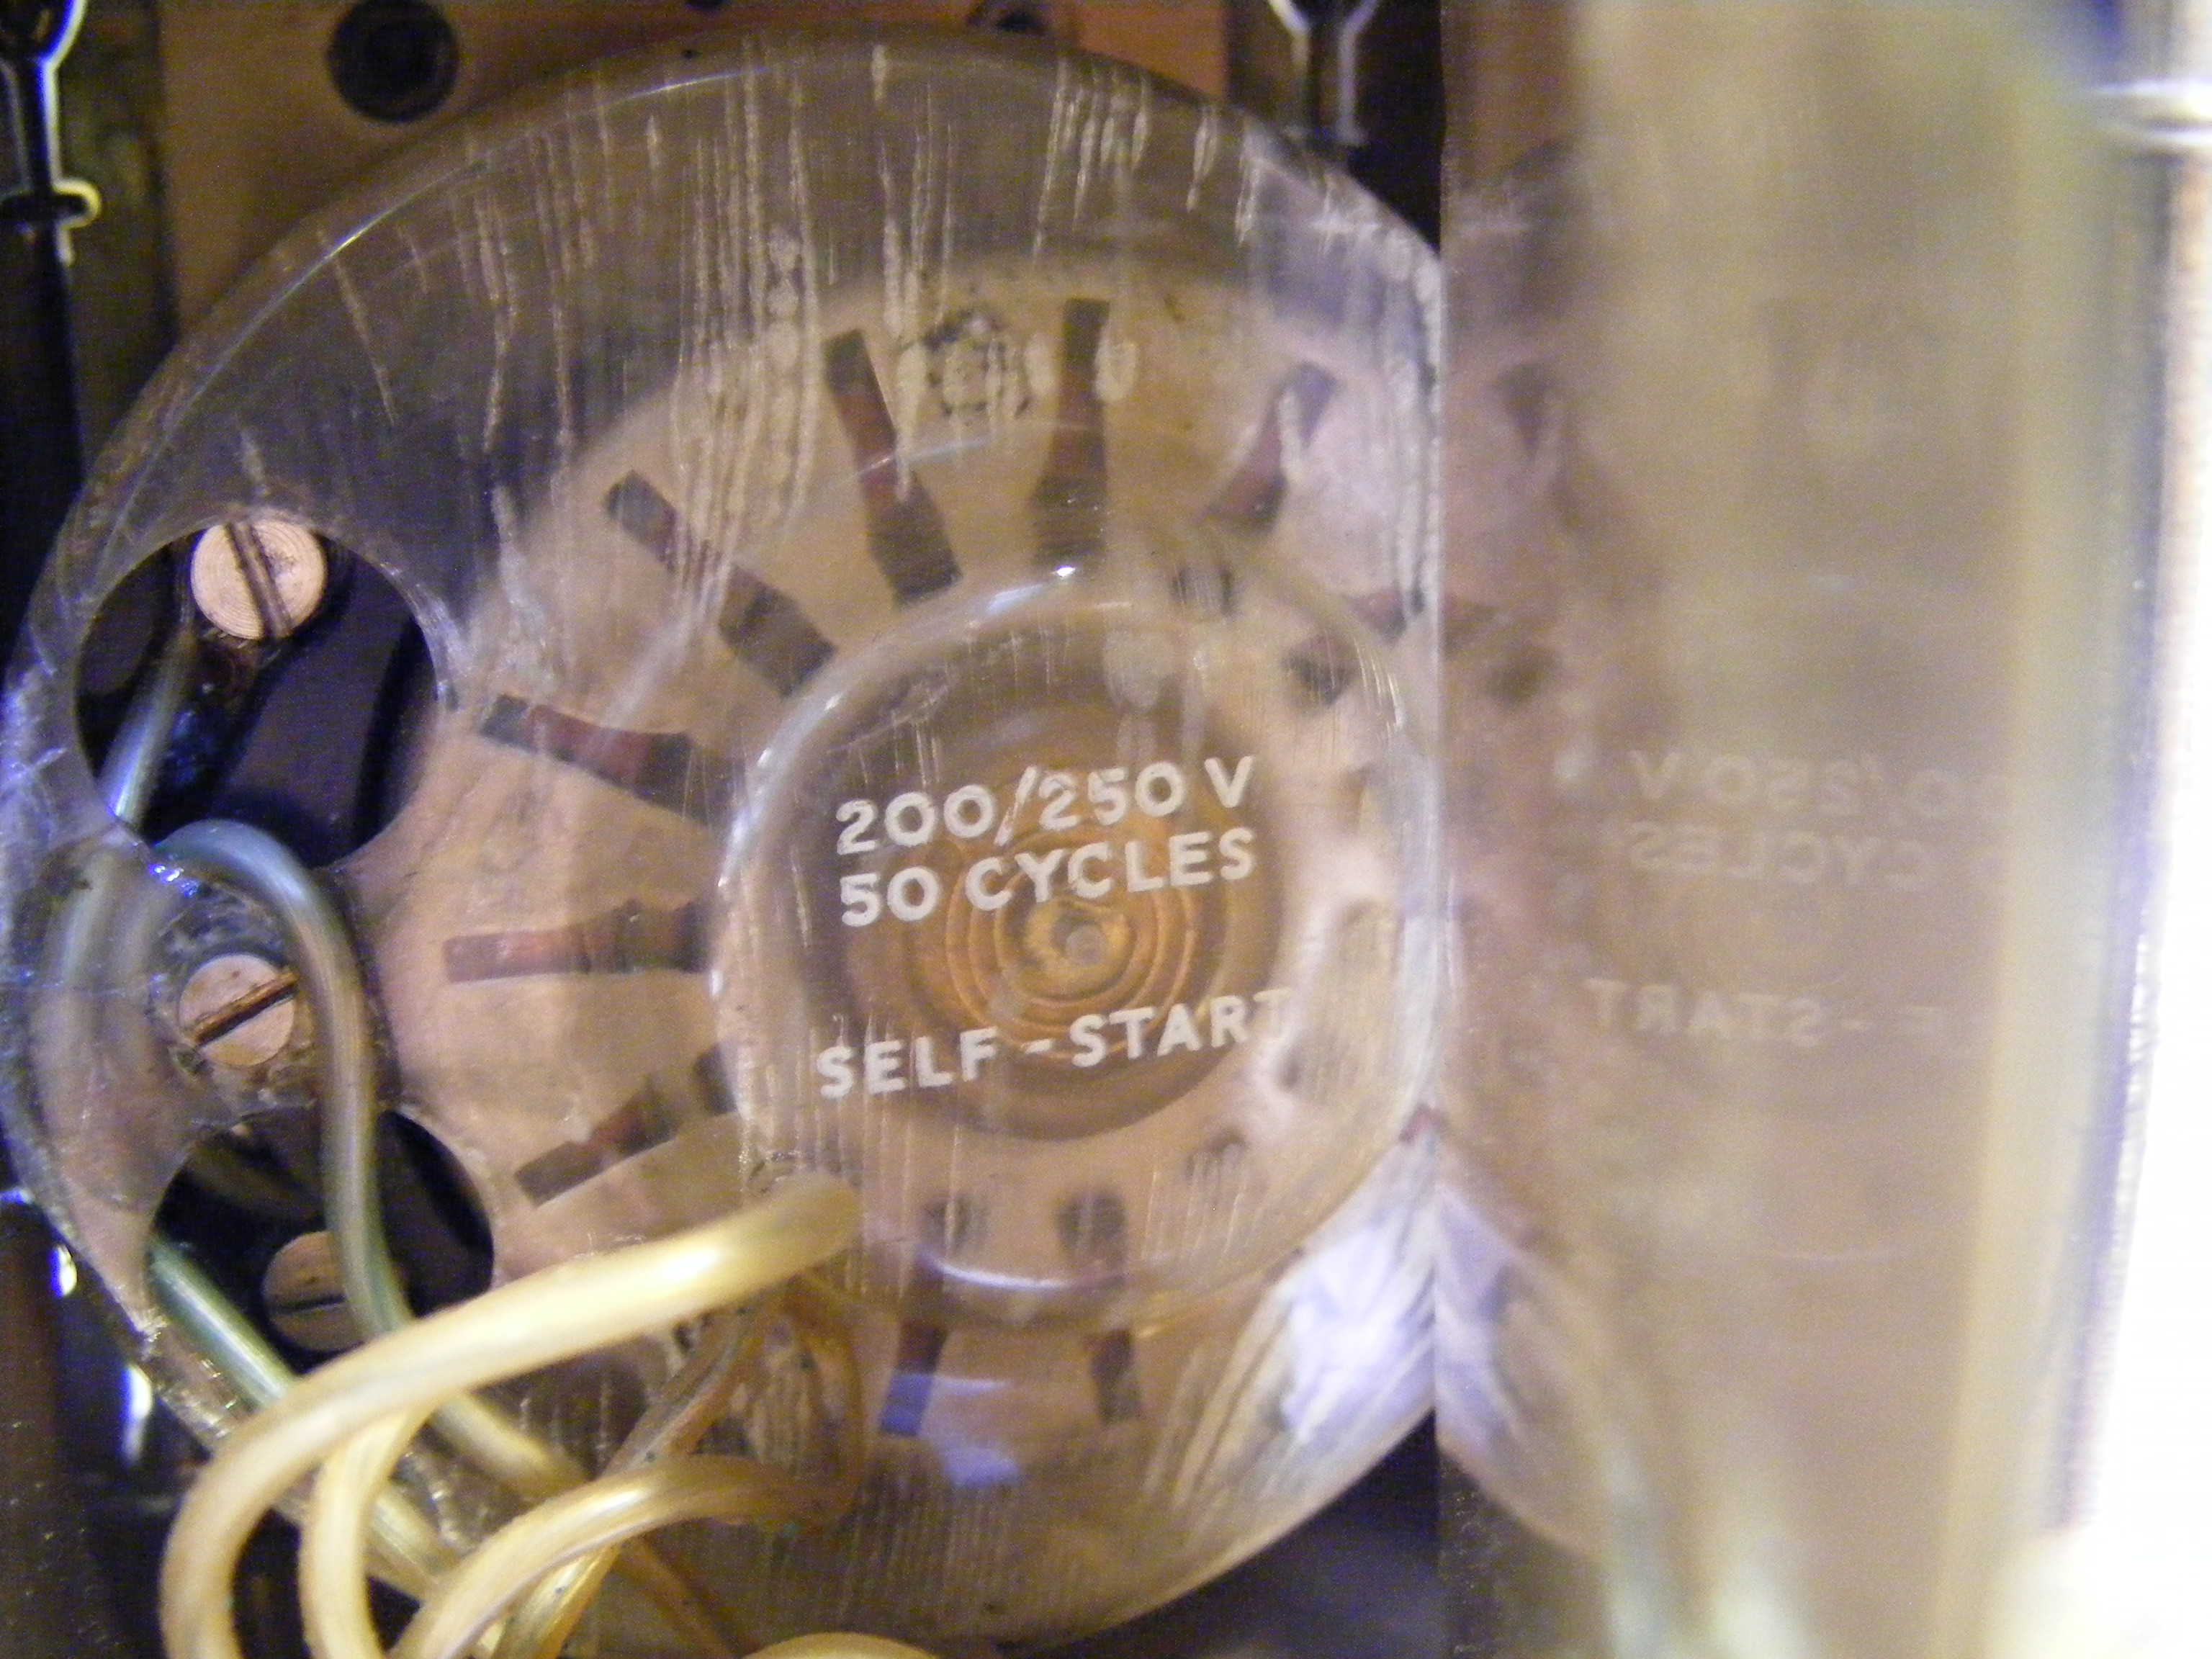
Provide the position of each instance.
(305, 1297)
(258, 579)
(239, 1009)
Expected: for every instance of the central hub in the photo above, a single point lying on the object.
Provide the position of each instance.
(1041, 836)
(1065, 923)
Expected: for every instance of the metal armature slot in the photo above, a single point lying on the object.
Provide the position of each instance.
(1094, 1232)
(1114, 1377)
(1321, 670)
(662, 769)
(1253, 495)
(632, 938)
(764, 626)
(952, 1224)
(652, 1117)
(1207, 587)
(906, 534)
(648, 517)
(1069, 502)
(1387, 611)
(906, 1401)
(1219, 1163)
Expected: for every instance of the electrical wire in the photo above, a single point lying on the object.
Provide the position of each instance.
(595, 1517)
(333, 1539)
(322, 954)
(678, 1417)
(133, 763)
(357, 1416)
(571, 1308)
(241, 857)
(411, 1556)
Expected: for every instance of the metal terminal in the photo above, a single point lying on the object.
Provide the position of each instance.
(305, 1297)
(239, 1009)
(258, 579)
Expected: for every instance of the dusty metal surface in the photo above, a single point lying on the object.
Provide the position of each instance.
(255, 132)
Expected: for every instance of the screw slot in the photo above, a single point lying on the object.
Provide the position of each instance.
(239, 1009)
(258, 579)
(304, 1295)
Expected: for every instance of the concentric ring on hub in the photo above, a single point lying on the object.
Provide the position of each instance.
(1092, 878)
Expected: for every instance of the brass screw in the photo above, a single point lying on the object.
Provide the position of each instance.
(258, 579)
(239, 1009)
(305, 1297)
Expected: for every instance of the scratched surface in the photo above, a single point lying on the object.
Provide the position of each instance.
(1787, 713)
(926, 554)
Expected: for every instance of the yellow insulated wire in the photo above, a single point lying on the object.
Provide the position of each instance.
(565, 1310)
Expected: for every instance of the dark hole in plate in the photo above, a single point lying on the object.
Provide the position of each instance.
(309, 739)
(394, 60)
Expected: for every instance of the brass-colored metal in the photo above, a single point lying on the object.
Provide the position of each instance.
(239, 1009)
(255, 134)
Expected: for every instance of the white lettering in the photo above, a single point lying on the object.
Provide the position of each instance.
(1180, 1032)
(1160, 789)
(1132, 1022)
(925, 1074)
(1110, 794)
(971, 810)
(1731, 782)
(1647, 846)
(1804, 857)
(1235, 854)
(1657, 1011)
(1039, 870)
(879, 1064)
(913, 893)
(1857, 852)
(976, 1045)
(1090, 1046)
(1788, 783)
(856, 816)
(1186, 859)
(981, 896)
(863, 904)
(1228, 787)
(910, 819)
(1807, 1023)
(1657, 781)
(1608, 992)
(1133, 862)
(1057, 792)
(1090, 887)
(1709, 1017)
